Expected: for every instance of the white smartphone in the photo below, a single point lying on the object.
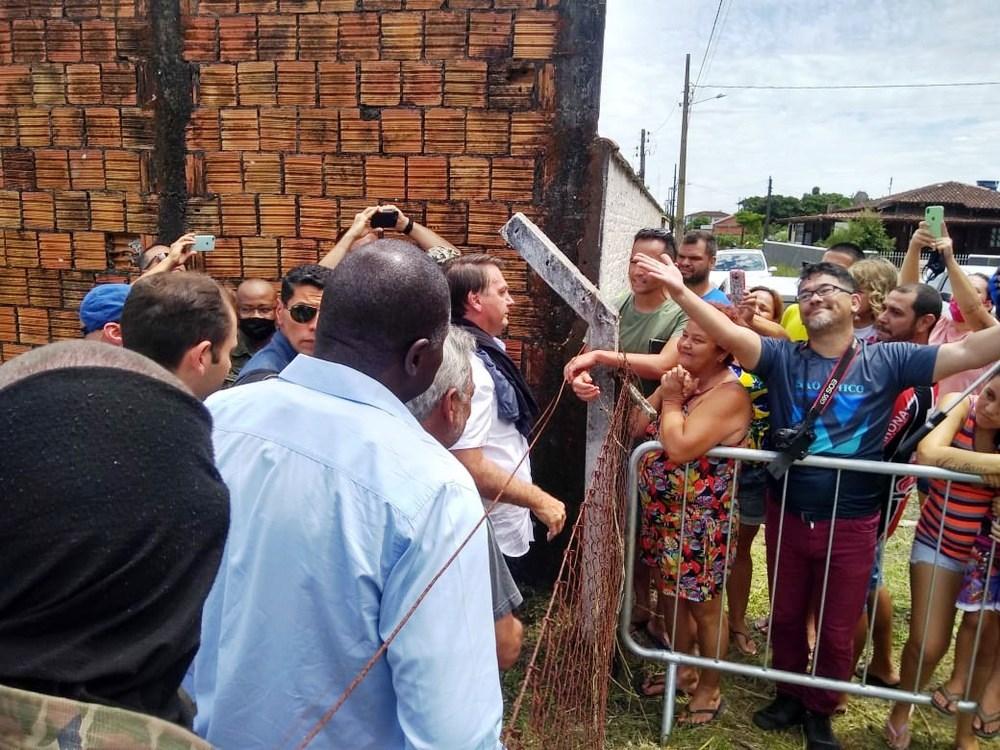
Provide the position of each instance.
(203, 243)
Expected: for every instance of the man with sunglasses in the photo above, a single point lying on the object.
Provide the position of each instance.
(297, 315)
(810, 503)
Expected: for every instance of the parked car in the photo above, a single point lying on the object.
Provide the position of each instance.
(758, 273)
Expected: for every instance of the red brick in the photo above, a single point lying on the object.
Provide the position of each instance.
(338, 84)
(119, 83)
(317, 36)
(297, 83)
(19, 168)
(385, 177)
(62, 41)
(359, 36)
(52, 169)
(469, 178)
(8, 127)
(200, 39)
(120, 8)
(203, 130)
(466, 4)
(450, 220)
(223, 172)
(15, 84)
(423, 83)
(444, 131)
(402, 36)
(380, 83)
(343, 176)
(29, 40)
(10, 209)
(48, 84)
(318, 130)
(260, 258)
(137, 128)
(535, 34)
(6, 43)
(13, 282)
(298, 6)
(318, 218)
(217, 7)
(104, 126)
(485, 220)
(90, 251)
(337, 6)
(279, 129)
(487, 132)
(427, 178)
(296, 251)
(217, 86)
(489, 35)
(72, 210)
(465, 83)
(224, 261)
(277, 215)
(401, 131)
(33, 127)
(529, 133)
(39, 210)
(257, 83)
(358, 136)
(239, 215)
(8, 318)
(98, 40)
(423, 4)
(107, 211)
(304, 174)
(83, 84)
(55, 251)
(237, 38)
(133, 39)
(123, 170)
(513, 179)
(240, 130)
(512, 86)
(276, 37)
(32, 323)
(261, 173)
(382, 4)
(258, 6)
(65, 324)
(194, 174)
(203, 215)
(445, 35)
(141, 213)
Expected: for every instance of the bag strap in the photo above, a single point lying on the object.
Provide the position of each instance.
(828, 391)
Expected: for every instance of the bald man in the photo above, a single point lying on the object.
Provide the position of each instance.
(256, 302)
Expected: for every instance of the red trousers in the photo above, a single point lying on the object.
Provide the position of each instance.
(799, 580)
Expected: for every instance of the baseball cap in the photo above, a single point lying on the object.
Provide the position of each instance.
(103, 304)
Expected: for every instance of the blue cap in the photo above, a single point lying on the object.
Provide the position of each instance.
(103, 304)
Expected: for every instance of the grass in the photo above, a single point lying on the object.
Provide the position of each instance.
(634, 721)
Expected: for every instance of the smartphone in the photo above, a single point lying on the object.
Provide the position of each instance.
(934, 216)
(385, 219)
(737, 285)
(203, 243)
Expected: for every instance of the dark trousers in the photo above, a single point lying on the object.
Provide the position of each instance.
(799, 582)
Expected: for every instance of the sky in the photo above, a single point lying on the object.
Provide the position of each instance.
(841, 141)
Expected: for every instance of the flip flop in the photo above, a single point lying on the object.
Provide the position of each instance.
(985, 719)
(684, 717)
(761, 625)
(949, 699)
(874, 680)
(743, 642)
(897, 739)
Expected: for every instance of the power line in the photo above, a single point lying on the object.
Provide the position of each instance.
(854, 86)
(711, 36)
(715, 49)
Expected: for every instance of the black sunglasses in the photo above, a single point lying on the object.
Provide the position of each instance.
(302, 313)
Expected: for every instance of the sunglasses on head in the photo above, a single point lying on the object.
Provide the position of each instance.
(302, 313)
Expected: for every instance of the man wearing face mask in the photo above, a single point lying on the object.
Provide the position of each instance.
(295, 320)
(255, 306)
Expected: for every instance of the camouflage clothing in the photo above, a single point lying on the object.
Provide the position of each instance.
(44, 722)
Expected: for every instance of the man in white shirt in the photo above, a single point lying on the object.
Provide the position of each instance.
(494, 444)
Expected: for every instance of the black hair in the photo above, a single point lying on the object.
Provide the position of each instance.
(166, 314)
(653, 233)
(711, 244)
(927, 299)
(378, 301)
(848, 248)
(840, 273)
(308, 273)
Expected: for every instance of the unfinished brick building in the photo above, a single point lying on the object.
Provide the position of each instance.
(270, 123)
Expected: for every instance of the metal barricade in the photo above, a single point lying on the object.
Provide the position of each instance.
(674, 659)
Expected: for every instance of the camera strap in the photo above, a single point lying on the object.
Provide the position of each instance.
(829, 390)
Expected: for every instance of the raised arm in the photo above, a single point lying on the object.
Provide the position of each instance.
(975, 350)
(909, 271)
(966, 296)
(936, 448)
(744, 344)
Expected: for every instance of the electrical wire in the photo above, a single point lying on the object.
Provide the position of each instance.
(853, 86)
(711, 36)
(718, 38)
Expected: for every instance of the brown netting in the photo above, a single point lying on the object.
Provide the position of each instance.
(563, 699)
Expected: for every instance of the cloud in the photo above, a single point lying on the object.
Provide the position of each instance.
(842, 141)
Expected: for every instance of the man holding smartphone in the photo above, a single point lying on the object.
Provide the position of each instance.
(371, 223)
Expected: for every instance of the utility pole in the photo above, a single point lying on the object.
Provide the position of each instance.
(682, 169)
(767, 210)
(642, 156)
(673, 200)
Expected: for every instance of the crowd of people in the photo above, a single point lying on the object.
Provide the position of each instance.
(236, 508)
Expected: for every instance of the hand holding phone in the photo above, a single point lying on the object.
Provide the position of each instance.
(737, 285)
(385, 219)
(203, 243)
(934, 216)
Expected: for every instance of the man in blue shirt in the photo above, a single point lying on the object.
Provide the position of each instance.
(343, 510)
(696, 259)
(296, 319)
(853, 426)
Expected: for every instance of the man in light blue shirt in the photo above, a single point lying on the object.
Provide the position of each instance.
(343, 509)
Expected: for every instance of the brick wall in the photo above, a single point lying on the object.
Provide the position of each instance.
(295, 113)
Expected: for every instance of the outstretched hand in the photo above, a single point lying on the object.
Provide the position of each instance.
(664, 271)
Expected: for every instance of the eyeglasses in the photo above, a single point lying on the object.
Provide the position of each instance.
(822, 291)
(302, 313)
(152, 260)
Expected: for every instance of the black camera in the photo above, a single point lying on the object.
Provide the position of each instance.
(792, 443)
(935, 264)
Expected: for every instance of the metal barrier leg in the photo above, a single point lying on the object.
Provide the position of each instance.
(669, 698)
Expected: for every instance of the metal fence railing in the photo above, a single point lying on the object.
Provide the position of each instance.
(673, 659)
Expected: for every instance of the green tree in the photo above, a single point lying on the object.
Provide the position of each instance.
(697, 222)
(866, 231)
(818, 203)
(782, 206)
(727, 241)
(751, 221)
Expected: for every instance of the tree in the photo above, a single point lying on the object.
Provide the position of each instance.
(782, 206)
(697, 222)
(866, 231)
(818, 203)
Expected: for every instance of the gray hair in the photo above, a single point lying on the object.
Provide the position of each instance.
(455, 371)
(65, 354)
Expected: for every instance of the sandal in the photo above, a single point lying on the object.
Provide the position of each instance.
(947, 705)
(743, 642)
(655, 685)
(897, 739)
(985, 719)
(761, 625)
(686, 717)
